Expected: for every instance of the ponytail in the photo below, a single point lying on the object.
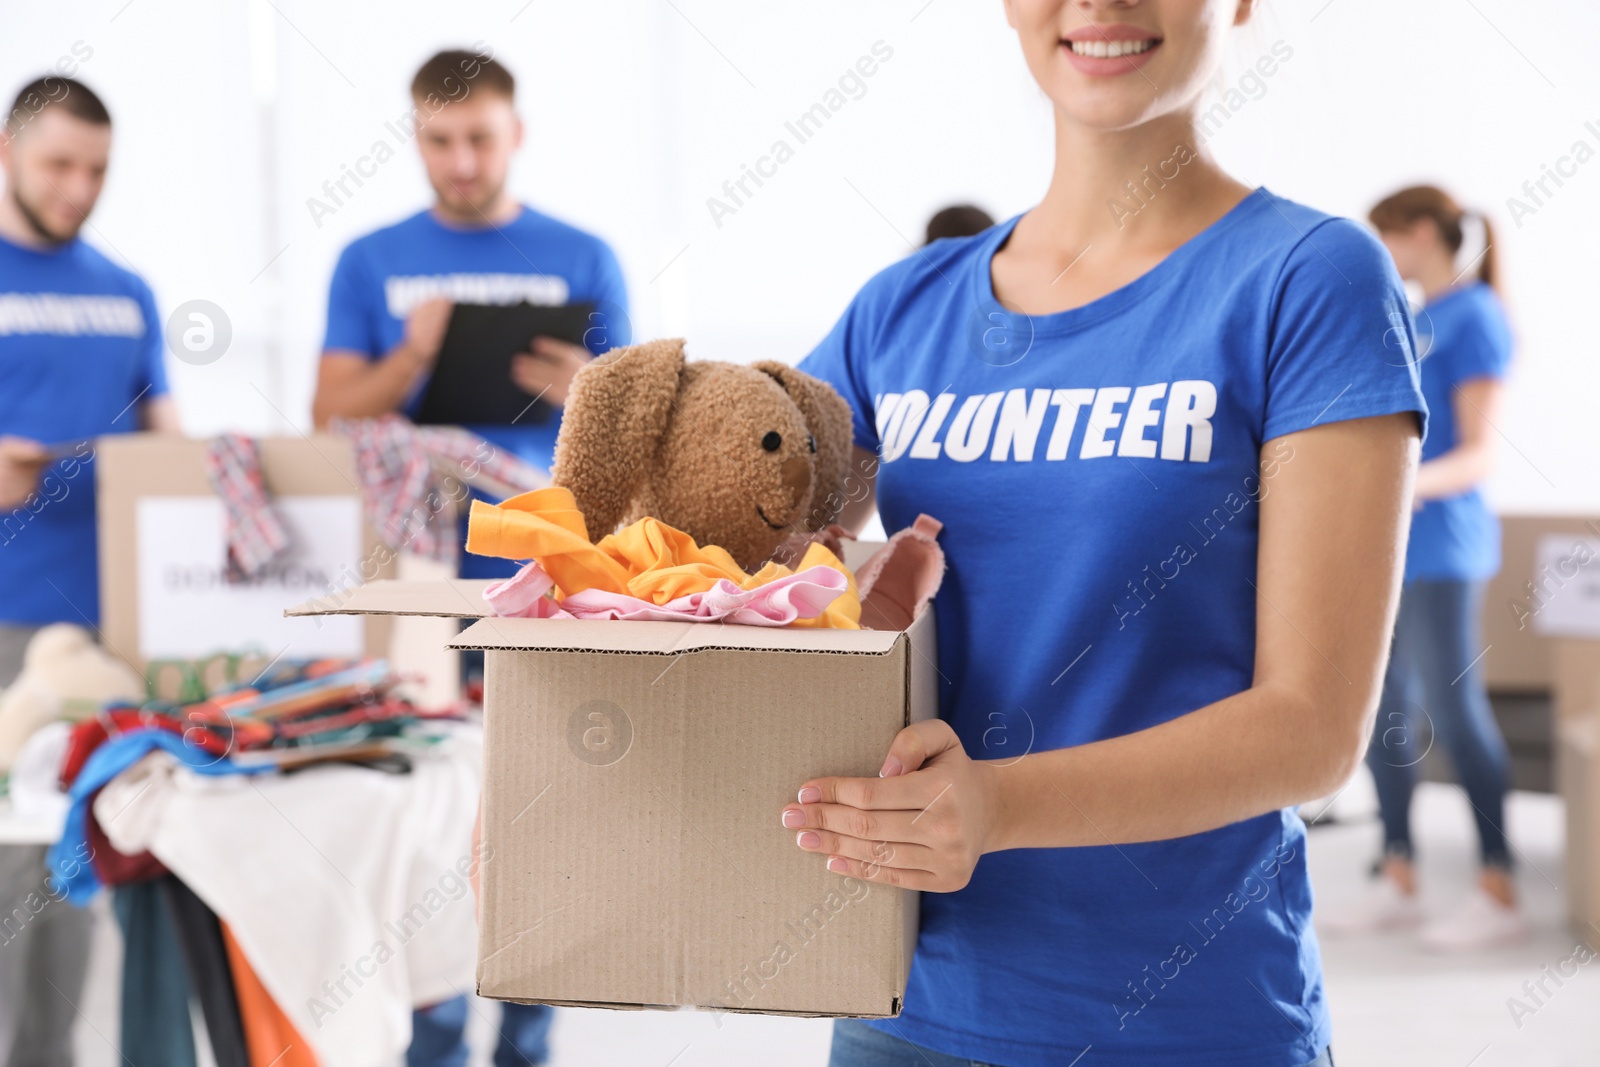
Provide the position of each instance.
(1488, 266)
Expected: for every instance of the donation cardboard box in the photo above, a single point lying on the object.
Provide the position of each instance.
(1542, 631)
(1542, 582)
(164, 589)
(634, 774)
(1578, 772)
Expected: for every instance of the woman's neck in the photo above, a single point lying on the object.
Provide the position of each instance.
(1118, 204)
(1147, 186)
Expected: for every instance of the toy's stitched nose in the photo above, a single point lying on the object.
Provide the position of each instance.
(796, 473)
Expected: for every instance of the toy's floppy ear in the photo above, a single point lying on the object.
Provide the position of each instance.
(617, 410)
(827, 416)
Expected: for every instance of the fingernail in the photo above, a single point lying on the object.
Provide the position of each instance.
(837, 865)
(793, 817)
(808, 839)
(891, 767)
(810, 795)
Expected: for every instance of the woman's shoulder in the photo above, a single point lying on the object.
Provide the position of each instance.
(1291, 257)
(1290, 236)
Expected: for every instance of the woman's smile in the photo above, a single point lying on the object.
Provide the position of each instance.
(1105, 50)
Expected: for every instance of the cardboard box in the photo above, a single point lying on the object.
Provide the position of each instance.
(1578, 775)
(634, 773)
(164, 594)
(1541, 623)
(1520, 657)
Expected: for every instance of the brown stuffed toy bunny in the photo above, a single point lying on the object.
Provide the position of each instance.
(738, 456)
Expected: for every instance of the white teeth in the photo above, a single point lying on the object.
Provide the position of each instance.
(1103, 49)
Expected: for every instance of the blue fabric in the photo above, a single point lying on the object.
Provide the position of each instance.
(438, 1035)
(1434, 694)
(80, 341)
(114, 756)
(856, 1044)
(524, 1035)
(1461, 335)
(1102, 549)
(156, 1029)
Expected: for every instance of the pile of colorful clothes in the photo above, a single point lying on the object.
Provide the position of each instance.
(294, 715)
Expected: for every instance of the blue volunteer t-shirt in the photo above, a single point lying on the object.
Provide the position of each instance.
(80, 349)
(1461, 335)
(1098, 473)
(381, 277)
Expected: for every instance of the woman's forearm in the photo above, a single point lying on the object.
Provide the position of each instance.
(1254, 752)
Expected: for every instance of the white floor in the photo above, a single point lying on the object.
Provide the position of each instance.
(1392, 1004)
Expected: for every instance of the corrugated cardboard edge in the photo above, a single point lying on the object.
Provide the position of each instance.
(718, 1009)
(668, 638)
(922, 703)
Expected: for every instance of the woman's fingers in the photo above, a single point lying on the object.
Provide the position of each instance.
(900, 854)
(916, 745)
(865, 824)
(922, 824)
(912, 747)
(900, 877)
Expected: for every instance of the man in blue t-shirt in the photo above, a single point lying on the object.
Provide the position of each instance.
(80, 356)
(388, 309)
(393, 290)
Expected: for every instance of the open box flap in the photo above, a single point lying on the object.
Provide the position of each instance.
(463, 599)
(666, 638)
(455, 598)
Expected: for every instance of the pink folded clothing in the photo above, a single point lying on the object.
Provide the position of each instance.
(803, 595)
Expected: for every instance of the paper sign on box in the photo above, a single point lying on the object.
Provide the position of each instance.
(189, 609)
(1566, 587)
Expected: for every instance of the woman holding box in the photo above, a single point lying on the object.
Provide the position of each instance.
(1171, 425)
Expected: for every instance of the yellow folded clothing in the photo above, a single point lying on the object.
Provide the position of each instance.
(646, 559)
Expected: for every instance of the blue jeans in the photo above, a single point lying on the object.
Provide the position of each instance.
(1435, 679)
(855, 1044)
(438, 1035)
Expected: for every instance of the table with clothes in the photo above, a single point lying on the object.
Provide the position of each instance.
(293, 855)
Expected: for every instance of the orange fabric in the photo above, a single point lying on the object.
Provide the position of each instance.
(646, 559)
(269, 1037)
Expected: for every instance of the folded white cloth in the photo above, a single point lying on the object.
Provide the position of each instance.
(346, 888)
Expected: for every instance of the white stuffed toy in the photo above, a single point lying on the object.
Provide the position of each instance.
(65, 675)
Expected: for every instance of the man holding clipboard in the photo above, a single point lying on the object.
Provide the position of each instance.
(416, 301)
(415, 313)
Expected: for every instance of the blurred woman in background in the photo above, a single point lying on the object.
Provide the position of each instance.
(1464, 344)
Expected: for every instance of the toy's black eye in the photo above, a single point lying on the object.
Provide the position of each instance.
(811, 441)
(772, 441)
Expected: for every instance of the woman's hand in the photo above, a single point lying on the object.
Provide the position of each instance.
(922, 824)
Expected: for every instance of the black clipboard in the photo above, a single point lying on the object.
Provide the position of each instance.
(471, 383)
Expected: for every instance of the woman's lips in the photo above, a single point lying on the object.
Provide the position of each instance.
(1109, 50)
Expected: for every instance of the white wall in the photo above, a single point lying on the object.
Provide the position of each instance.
(230, 115)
